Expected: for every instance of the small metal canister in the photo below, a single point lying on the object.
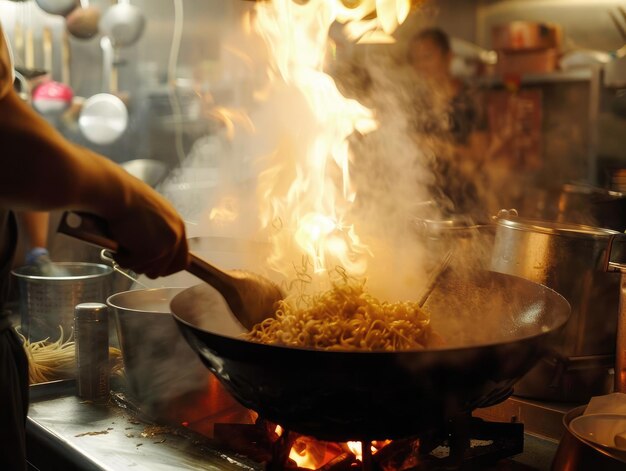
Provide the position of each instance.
(91, 331)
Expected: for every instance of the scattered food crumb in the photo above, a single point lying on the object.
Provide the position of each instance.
(102, 432)
(139, 444)
(160, 441)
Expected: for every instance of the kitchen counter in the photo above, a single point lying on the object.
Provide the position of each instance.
(67, 433)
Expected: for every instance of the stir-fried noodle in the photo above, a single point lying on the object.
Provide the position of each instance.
(347, 318)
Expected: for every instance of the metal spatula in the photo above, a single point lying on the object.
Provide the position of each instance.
(249, 296)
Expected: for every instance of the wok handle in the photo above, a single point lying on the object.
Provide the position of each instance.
(88, 228)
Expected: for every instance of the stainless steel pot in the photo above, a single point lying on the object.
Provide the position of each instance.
(47, 300)
(569, 259)
(153, 349)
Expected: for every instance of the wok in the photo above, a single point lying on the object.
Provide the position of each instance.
(496, 327)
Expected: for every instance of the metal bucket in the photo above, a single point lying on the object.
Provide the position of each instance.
(47, 302)
(569, 259)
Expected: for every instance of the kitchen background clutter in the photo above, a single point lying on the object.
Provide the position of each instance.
(165, 89)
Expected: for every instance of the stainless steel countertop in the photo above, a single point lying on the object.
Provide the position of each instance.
(108, 437)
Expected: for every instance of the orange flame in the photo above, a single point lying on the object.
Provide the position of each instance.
(313, 209)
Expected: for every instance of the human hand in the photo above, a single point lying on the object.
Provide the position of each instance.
(150, 234)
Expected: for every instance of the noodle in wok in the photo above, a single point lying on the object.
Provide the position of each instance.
(347, 318)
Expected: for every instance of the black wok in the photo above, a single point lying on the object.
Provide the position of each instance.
(496, 327)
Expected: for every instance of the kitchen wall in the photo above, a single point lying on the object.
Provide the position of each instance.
(143, 71)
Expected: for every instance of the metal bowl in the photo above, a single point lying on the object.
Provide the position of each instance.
(577, 454)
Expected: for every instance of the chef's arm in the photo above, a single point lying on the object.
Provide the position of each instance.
(41, 170)
(33, 229)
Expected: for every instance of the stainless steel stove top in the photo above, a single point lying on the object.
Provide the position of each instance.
(65, 432)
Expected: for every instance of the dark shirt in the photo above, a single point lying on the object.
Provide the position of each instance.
(8, 242)
(441, 130)
(453, 124)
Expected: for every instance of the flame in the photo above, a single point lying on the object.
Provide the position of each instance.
(226, 211)
(357, 449)
(313, 209)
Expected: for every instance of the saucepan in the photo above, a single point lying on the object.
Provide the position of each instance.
(496, 327)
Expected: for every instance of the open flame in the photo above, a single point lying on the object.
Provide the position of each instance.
(306, 189)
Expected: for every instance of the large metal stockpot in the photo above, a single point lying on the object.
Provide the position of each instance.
(568, 258)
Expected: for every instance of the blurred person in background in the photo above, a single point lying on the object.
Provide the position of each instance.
(447, 120)
(42, 171)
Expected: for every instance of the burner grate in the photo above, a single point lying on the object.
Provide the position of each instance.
(464, 443)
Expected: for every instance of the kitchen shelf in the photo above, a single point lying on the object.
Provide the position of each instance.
(561, 76)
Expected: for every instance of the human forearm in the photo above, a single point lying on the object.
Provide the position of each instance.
(43, 171)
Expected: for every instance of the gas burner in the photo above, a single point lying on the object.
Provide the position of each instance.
(464, 443)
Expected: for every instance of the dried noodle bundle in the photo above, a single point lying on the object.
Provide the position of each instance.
(346, 318)
(50, 361)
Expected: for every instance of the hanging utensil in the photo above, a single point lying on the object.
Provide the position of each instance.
(82, 22)
(57, 7)
(51, 98)
(250, 297)
(29, 46)
(104, 117)
(123, 23)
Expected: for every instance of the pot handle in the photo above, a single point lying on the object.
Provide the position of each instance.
(613, 256)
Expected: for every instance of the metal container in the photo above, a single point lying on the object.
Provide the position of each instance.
(160, 366)
(577, 454)
(48, 301)
(568, 258)
(91, 334)
(469, 244)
